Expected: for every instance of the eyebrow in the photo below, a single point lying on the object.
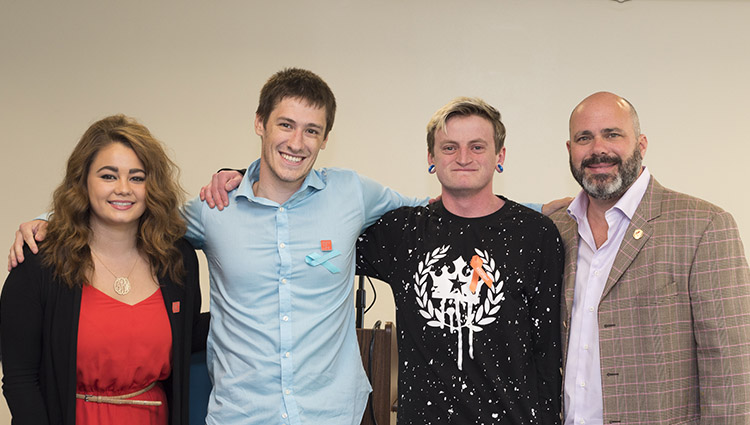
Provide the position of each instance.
(115, 169)
(583, 133)
(603, 131)
(470, 142)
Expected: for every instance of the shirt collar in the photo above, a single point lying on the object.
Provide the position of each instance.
(627, 204)
(315, 180)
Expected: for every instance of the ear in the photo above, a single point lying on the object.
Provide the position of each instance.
(567, 145)
(501, 156)
(642, 144)
(260, 129)
(430, 159)
(323, 145)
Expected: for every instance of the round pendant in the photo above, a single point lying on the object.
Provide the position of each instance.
(122, 286)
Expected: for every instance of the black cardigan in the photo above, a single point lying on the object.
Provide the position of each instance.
(38, 336)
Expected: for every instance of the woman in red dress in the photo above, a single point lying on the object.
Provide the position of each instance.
(97, 328)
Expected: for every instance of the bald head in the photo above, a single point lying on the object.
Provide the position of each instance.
(602, 103)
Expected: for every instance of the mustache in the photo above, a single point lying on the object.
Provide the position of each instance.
(601, 159)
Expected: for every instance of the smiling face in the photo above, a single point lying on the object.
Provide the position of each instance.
(464, 156)
(291, 138)
(605, 147)
(116, 185)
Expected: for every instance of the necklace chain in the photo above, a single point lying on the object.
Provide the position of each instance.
(121, 284)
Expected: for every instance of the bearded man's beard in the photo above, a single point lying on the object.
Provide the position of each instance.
(608, 186)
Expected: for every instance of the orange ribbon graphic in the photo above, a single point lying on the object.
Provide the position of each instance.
(476, 264)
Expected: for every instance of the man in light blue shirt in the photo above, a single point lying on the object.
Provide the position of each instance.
(282, 346)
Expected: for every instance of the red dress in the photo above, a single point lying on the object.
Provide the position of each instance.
(122, 349)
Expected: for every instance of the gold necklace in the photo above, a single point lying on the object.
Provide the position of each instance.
(121, 284)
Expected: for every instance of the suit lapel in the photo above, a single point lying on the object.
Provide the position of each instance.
(568, 229)
(638, 232)
(571, 264)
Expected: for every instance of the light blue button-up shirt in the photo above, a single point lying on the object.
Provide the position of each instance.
(282, 348)
(583, 378)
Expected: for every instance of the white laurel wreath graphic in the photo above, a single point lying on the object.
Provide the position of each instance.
(484, 315)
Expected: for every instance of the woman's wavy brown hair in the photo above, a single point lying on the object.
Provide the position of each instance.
(66, 247)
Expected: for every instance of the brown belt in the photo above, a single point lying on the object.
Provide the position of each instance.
(121, 399)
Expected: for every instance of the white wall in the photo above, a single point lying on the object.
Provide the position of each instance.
(191, 72)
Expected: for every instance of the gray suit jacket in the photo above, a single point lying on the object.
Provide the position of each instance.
(674, 318)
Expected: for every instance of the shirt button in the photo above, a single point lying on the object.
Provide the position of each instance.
(596, 273)
(585, 346)
(287, 392)
(581, 421)
(287, 354)
(283, 280)
(591, 309)
(282, 245)
(281, 209)
(284, 415)
(285, 318)
(583, 384)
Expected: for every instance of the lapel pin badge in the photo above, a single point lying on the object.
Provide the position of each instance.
(326, 245)
(637, 234)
